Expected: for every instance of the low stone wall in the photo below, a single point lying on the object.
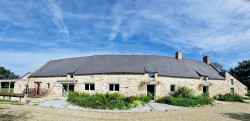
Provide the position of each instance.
(13, 98)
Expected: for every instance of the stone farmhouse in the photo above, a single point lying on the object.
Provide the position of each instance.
(128, 75)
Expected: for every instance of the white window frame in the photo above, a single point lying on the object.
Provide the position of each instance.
(48, 86)
(151, 77)
(89, 86)
(232, 81)
(19, 87)
(114, 87)
(26, 91)
(71, 75)
(231, 91)
(204, 78)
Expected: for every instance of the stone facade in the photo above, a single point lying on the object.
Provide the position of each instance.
(129, 84)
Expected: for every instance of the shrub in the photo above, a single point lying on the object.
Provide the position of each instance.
(246, 98)
(183, 92)
(230, 97)
(187, 102)
(162, 100)
(107, 101)
(184, 97)
(248, 93)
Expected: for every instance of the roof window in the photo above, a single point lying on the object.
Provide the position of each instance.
(71, 75)
(204, 78)
(151, 75)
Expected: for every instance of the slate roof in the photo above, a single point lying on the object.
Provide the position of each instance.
(99, 64)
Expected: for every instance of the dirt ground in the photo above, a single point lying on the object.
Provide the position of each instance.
(236, 111)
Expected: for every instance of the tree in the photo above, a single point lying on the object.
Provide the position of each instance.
(219, 66)
(7, 74)
(242, 72)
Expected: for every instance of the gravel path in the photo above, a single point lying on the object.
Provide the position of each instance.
(62, 104)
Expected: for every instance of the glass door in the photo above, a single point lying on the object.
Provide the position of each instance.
(66, 88)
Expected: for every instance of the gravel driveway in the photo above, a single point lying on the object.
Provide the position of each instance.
(235, 111)
(62, 104)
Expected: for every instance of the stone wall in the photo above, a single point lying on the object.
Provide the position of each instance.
(19, 86)
(239, 88)
(55, 89)
(130, 84)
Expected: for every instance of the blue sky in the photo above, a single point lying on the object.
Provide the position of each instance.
(34, 32)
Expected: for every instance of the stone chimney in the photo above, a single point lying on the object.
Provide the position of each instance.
(206, 59)
(178, 55)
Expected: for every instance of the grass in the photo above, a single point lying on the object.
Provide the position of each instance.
(248, 93)
(9, 101)
(107, 101)
(5, 90)
(246, 98)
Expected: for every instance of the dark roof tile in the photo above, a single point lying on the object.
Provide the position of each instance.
(165, 66)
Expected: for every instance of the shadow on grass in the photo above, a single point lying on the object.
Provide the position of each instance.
(238, 116)
(13, 115)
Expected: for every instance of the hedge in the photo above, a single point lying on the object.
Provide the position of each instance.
(230, 98)
(107, 101)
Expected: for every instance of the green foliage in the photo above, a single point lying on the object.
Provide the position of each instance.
(162, 100)
(144, 98)
(242, 72)
(106, 101)
(9, 101)
(230, 97)
(183, 92)
(246, 98)
(7, 74)
(190, 102)
(5, 90)
(248, 93)
(185, 97)
(187, 102)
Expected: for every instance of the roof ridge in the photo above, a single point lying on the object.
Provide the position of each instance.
(118, 55)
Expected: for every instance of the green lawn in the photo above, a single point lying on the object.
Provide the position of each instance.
(5, 90)
(8, 101)
(246, 98)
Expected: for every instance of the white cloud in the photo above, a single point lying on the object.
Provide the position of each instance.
(219, 28)
(57, 16)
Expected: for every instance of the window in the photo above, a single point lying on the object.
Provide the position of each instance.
(232, 82)
(71, 75)
(204, 78)
(89, 86)
(205, 89)
(19, 88)
(26, 90)
(172, 88)
(232, 90)
(114, 87)
(48, 86)
(151, 75)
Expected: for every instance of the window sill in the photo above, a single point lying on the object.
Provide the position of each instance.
(172, 92)
(113, 91)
